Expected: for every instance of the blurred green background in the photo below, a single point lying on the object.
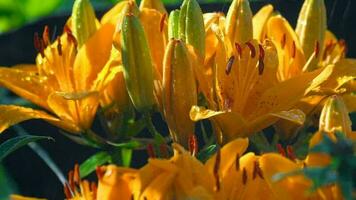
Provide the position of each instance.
(15, 13)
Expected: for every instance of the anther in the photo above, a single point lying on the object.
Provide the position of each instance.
(283, 40)
(99, 172)
(244, 176)
(59, 46)
(293, 50)
(38, 43)
(67, 192)
(238, 49)
(237, 162)
(76, 174)
(261, 66)
(328, 49)
(151, 151)
(216, 169)
(70, 180)
(230, 62)
(70, 36)
(290, 153)
(317, 49)
(193, 144)
(281, 150)
(45, 36)
(262, 51)
(252, 49)
(163, 150)
(257, 171)
(161, 23)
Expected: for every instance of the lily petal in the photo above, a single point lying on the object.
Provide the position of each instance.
(11, 115)
(259, 21)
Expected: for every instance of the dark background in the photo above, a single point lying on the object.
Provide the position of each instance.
(32, 176)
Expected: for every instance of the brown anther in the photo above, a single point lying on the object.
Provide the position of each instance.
(99, 172)
(67, 192)
(290, 153)
(45, 36)
(317, 49)
(281, 150)
(237, 162)
(261, 66)
(162, 22)
(244, 176)
(328, 49)
(216, 169)
(294, 50)
(70, 180)
(59, 46)
(257, 171)
(283, 41)
(343, 45)
(76, 174)
(252, 49)
(238, 49)
(93, 187)
(151, 151)
(193, 144)
(230, 62)
(163, 150)
(70, 36)
(262, 52)
(38, 43)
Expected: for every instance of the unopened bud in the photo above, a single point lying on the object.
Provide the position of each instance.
(137, 63)
(179, 91)
(191, 26)
(153, 4)
(83, 21)
(311, 26)
(239, 22)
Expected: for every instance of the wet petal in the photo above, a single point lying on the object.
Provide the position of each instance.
(11, 115)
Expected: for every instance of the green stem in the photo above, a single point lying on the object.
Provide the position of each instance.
(152, 129)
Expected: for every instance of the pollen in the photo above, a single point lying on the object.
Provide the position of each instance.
(283, 40)
(237, 162)
(293, 50)
(230, 62)
(238, 49)
(252, 49)
(193, 144)
(244, 176)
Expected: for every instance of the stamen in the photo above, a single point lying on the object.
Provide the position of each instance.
(317, 49)
(293, 50)
(59, 46)
(151, 151)
(244, 176)
(76, 174)
(281, 150)
(257, 171)
(261, 66)
(99, 172)
(328, 49)
(193, 144)
(38, 43)
(67, 192)
(291, 153)
(252, 49)
(343, 45)
(283, 40)
(237, 162)
(254, 172)
(216, 170)
(161, 23)
(70, 180)
(238, 49)
(262, 51)
(45, 36)
(163, 150)
(71, 38)
(230, 62)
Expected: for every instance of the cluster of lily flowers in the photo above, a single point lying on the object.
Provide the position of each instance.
(240, 74)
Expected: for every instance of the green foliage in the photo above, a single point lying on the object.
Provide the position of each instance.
(91, 163)
(15, 143)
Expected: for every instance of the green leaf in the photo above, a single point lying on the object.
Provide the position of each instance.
(133, 144)
(206, 153)
(15, 143)
(7, 185)
(126, 155)
(91, 163)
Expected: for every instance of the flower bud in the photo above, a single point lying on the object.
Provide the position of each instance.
(311, 26)
(173, 25)
(153, 4)
(191, 26)
(335, 116)
(137, 63)
(179, 91)
(239, 22)
(83, 21)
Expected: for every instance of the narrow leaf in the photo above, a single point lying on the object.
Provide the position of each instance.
(91, 163)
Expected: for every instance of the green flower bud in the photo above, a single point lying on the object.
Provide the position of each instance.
(239, 22)
(83, 21)
(179, 91)
(137, 63)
